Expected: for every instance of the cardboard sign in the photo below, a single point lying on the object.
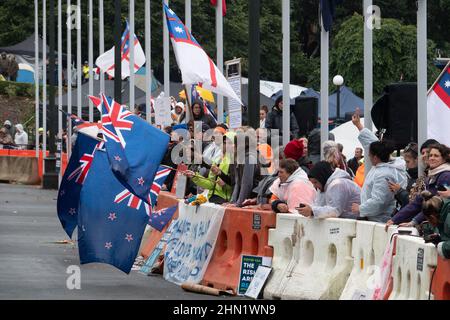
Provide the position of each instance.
(162, 112)
(258, 281)
(249, 265)
(235, 118)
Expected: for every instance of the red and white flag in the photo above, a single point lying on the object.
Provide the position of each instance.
(438, 105)
(195, 65)
(106, 61)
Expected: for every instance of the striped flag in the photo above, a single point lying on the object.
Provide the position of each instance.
(438, 105)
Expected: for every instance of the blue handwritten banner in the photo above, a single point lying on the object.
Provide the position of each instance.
(191, 243)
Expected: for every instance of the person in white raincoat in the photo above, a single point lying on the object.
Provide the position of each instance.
(21, 137)
(377, 201)
(337, 193)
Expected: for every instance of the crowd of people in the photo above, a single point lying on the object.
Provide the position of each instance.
(392, 192)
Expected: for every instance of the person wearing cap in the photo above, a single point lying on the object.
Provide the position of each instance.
(336, 193)
(21, 137)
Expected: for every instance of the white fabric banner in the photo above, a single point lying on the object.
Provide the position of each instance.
(192, 242)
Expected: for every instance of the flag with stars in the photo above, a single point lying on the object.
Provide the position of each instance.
(108, 232)
(438, 108)
(135, 148)
(74, 177)
(195, 65)
(159, 219)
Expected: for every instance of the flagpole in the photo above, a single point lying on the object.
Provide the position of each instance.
(254, 12)
(368, 77)
(101, 27)
(166, 55)
(219, 45)
(91, 58)
(69, 78)
(188, 112)
(36, 73)
(117, 51)
(422, 74)
(131, 14)
(44, 82)
(148, 63)
(79, 59)
(188, 15)
(286, 71)
(60, 84)
(324, 79)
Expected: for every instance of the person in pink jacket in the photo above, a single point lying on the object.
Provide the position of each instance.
(291, 188)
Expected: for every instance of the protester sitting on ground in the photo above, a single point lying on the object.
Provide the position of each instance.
(198, 114)
(6, 139)
(354, 163)
(438, 175)
(274, 120)
(336, 193)
(377, 201)
(402, 194)
(263, 111)
(437, 230)
(291, 188)
(219, 181)
(21, 137)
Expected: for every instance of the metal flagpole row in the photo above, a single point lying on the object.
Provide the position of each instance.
(422, 74)
(166, 55)
(286, 71)
(324, 79)
(368, 76)
(219, 45)
(131, 48)
(101, 27)
(69, 78)
(79, 73)
(60, 85)
(91, 58)
(44, 82)
(188, 15)
(36, 73)
(148, 63)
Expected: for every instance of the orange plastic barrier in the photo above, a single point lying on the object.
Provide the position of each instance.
(165, 199)
(441, 281)
(243, 231)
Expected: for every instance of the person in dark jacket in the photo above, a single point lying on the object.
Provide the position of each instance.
(437, 230)
(410, 155)
(199, 114)
(274, 120)
(438, 175)
(354, 163)
(314, 144)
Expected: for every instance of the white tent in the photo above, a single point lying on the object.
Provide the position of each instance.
(269, 88)
(347, 135)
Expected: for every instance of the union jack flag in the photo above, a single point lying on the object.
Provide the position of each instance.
(114, 120)
(135, 202)
(81, 172)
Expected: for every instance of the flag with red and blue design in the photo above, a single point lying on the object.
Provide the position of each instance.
(135, 148)
(108, 231)
(74, 177)
(159, 219)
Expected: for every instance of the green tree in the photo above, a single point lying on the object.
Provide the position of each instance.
(394, 56)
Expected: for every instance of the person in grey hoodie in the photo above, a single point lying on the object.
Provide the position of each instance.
(337, 193)
(377, 201)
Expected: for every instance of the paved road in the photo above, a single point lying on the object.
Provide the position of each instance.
(33, 265)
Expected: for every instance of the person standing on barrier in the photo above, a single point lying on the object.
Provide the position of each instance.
(291, 188)
(337, 193)
(437, 230)
(377, 201)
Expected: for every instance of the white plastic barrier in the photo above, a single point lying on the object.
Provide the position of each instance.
(283, 239)
(412, 264)
(367, 251)
(325, 259)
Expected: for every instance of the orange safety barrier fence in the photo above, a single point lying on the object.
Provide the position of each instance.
(165, 199)
(32, 154)
(243, 232)
(441, 280)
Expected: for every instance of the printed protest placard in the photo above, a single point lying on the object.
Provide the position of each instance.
(258, 281)
(249, 265)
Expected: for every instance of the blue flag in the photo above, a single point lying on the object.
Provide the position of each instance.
(159, 219)
(135, 148)
(109, 231)
(328, 8)
(74, 177)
